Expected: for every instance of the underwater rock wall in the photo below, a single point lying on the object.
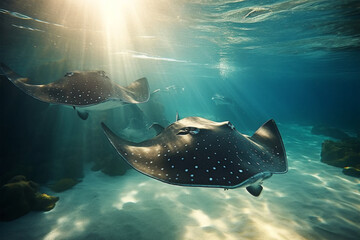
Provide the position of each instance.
(329, 131)
(343, 154)
(20, 196)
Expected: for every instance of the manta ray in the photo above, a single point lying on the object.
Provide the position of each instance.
(221, 100)
(88, 90)
(199, 152)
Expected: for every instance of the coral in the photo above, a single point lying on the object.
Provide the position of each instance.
(19, 196)
(63, 184)
(344, 154)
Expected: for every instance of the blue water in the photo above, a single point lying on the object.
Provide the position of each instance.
(294, 61)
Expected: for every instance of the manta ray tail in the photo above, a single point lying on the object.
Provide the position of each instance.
(268, 136)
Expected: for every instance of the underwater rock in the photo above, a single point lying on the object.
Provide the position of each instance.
(44, 202)
(115, 168)
(25, 150)
(110, 165)
(19, 196)
(63, 184)
(329, 132)
(351, 171)
(96, 167)
(344, 154)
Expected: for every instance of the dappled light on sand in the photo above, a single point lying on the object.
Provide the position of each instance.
(129, 197)
(66, 227)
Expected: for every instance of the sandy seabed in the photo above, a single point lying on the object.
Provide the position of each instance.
(312, 201)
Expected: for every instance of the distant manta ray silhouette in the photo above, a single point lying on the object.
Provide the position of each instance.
(88, 90)
(198, 152)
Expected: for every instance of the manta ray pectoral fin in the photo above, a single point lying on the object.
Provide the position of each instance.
(254, 190)
(157, 127)
(39, 92)
(11, 75)
(119, 144)
(139, 90)
(109, 134)
(269, 137)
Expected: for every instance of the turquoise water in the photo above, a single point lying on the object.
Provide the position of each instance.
(294, 61)
(244, 61)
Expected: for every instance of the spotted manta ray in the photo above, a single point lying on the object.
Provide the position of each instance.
(198, 152)
(88, 90)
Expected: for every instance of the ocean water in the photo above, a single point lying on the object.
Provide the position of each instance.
(296, 62)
